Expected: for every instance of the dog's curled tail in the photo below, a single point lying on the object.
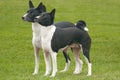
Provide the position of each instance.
(81, 25)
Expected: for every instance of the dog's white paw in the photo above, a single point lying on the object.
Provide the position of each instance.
(66, 67)
(47, 74)
(53, 74)
(89, 74)
(63, 71)
(35, 73)
(76, 72)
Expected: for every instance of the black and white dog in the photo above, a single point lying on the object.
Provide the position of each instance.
(54, 38)
(36, 40)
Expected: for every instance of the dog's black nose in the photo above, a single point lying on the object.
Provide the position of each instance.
(23, 18)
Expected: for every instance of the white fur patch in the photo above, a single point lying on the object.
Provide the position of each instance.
(66, 67)
(89, 67)
(46, 36)
(36, 28)
(37, 17)
(25, 15)
(85, 28)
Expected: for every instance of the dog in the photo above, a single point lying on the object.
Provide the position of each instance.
(54, 38)
(36, 40)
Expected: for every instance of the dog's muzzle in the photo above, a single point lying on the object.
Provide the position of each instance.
(23, 18)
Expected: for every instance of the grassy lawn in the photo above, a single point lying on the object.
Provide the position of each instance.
(16, 51)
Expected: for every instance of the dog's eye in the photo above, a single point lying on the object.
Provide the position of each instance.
(30, 12)
(43, 14)
(27, 11)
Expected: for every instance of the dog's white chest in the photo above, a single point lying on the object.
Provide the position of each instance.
(46, 37)
(36, 35)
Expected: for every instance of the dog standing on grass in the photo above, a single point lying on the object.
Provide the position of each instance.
(54, 38)
(36, 40)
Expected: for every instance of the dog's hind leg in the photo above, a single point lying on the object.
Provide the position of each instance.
(86, 50)
(48, 63)
(36, 54)
(79, 62)
(67, 58)
(89, 67)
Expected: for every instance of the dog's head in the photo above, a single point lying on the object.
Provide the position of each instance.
(33, 12)
(46, 19)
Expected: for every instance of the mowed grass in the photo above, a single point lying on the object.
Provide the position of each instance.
(16, 51)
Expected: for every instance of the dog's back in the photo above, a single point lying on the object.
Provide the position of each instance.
(64, 24)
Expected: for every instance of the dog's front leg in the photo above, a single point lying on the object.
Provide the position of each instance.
(36, 54)
(48, 63)
(54, 62)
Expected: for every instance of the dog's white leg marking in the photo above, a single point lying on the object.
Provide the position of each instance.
(36, 54)
(66, 67)
(48, 63)
(54, 62)
(67, 63)
(79, 62)
(89, 67)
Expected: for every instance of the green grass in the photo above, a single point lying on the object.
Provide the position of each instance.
(16, 51)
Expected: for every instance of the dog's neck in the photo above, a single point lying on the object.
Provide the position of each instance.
(36, 28)
(47, 31)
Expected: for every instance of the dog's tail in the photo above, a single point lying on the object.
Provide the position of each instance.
(82, 25)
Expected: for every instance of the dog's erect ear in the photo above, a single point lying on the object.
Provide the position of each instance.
(41, 7)
(52, 13)
(31, 4)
